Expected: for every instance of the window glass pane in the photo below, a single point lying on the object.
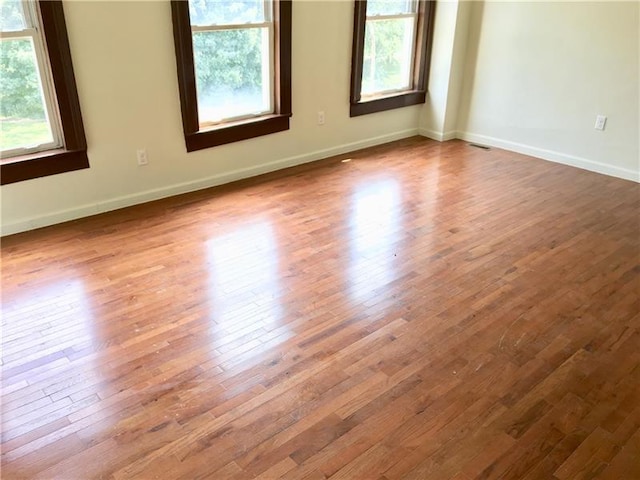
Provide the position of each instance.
(11, 17)
(219, 12)
(389, 7)
(232, 73)
(388, 54)
(23, 116)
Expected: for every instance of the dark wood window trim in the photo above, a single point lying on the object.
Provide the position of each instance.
(424, 40)
(197, 139)
(74, 154)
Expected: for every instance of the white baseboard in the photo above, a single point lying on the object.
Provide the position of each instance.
(185, 187)
(439, 136)
(552, 156)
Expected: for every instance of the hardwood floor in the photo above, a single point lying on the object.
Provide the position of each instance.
(424, 310)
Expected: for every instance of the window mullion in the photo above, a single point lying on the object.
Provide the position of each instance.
(391, 17)
(234, 26)
(27, 32)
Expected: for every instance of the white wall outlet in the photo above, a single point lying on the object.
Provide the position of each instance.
(601, 121)
(142, 156)
(320, 118)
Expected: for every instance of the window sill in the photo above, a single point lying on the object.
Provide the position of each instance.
(41, 164)
(236, 131)
(390, 102)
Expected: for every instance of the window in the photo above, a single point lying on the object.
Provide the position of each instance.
(234, 68)
(41, 125)
(29, 119)
(391, 48)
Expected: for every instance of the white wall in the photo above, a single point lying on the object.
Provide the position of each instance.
(538, 73)
(439, 118)
(125, 69)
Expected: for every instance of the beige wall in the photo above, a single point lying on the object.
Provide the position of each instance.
(439, 117)
(529, 77)
(124, 63)
(538, 73)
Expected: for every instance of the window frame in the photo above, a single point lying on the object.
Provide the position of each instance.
(72, 155)
(32, 32)
(197, 138)
(417, 93)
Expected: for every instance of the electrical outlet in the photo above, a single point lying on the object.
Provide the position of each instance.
(142, 157)
(601, 121)
(320, 118)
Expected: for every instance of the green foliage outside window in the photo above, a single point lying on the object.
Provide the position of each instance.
(384, 55)
(231, 58)
(19, 83)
